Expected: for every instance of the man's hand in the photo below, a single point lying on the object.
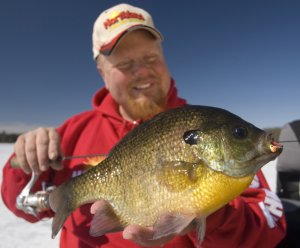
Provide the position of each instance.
(36, 149)
(143, 235)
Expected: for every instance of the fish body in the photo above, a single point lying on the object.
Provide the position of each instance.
(188, 161)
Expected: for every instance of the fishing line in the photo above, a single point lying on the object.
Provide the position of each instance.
(289, 141)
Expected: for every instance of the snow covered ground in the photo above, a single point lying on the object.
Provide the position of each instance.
(16, 232)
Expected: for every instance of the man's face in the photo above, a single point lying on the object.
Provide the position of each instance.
(136, 75)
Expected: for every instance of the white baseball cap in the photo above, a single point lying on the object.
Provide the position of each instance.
(114, 23)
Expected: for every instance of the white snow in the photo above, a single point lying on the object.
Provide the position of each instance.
(16, 232)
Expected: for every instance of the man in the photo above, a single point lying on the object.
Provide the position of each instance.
(138, 85)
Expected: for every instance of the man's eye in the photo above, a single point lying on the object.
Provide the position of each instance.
(123, 66)
(150, 59)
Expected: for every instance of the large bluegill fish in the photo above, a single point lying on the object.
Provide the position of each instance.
(188, 161)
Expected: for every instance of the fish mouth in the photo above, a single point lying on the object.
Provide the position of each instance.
(263, 159)
(276, 147)
(271, 147)
(270, 150)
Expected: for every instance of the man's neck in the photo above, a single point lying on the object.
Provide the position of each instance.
(125, 115)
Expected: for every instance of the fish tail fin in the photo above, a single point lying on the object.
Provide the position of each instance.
(59, 202)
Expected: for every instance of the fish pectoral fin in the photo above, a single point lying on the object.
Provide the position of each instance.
(172, 224)
(177, 175)
(105, 221)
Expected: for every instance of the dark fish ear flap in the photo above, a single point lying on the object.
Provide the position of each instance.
(177, 176)
(191, 137)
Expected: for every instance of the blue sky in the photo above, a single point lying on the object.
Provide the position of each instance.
(240, 55)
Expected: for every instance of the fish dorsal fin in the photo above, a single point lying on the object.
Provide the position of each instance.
(105, 221)
(177, 175)
(169, 224)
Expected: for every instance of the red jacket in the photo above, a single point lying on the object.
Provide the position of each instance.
(254, 219)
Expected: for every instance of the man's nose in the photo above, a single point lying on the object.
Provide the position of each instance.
(140, 67)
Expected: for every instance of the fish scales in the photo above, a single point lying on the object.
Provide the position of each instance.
(184, 161)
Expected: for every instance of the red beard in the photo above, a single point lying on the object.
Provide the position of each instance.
(146, 107)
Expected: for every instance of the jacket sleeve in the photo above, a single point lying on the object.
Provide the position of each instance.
(254, 219)
(13, 182)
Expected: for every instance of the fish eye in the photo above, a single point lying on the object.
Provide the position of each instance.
(240, 132)
(191, 137)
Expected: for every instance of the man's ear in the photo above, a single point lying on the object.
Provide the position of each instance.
(100, 70)
(102, 74)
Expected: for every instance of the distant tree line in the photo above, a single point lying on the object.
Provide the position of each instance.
(274, 131)
(8, 137)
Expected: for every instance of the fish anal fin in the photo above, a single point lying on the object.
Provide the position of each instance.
(105, 221)
(177, 175)
(170, 224)
(201, 229)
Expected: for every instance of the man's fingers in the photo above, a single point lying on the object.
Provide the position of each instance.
(21, 155)
(42, 145)
(54, 144)
(98, 205)
(144, 236)
(36, 148)
(136, 233)
(30, 151)
(54, 149)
